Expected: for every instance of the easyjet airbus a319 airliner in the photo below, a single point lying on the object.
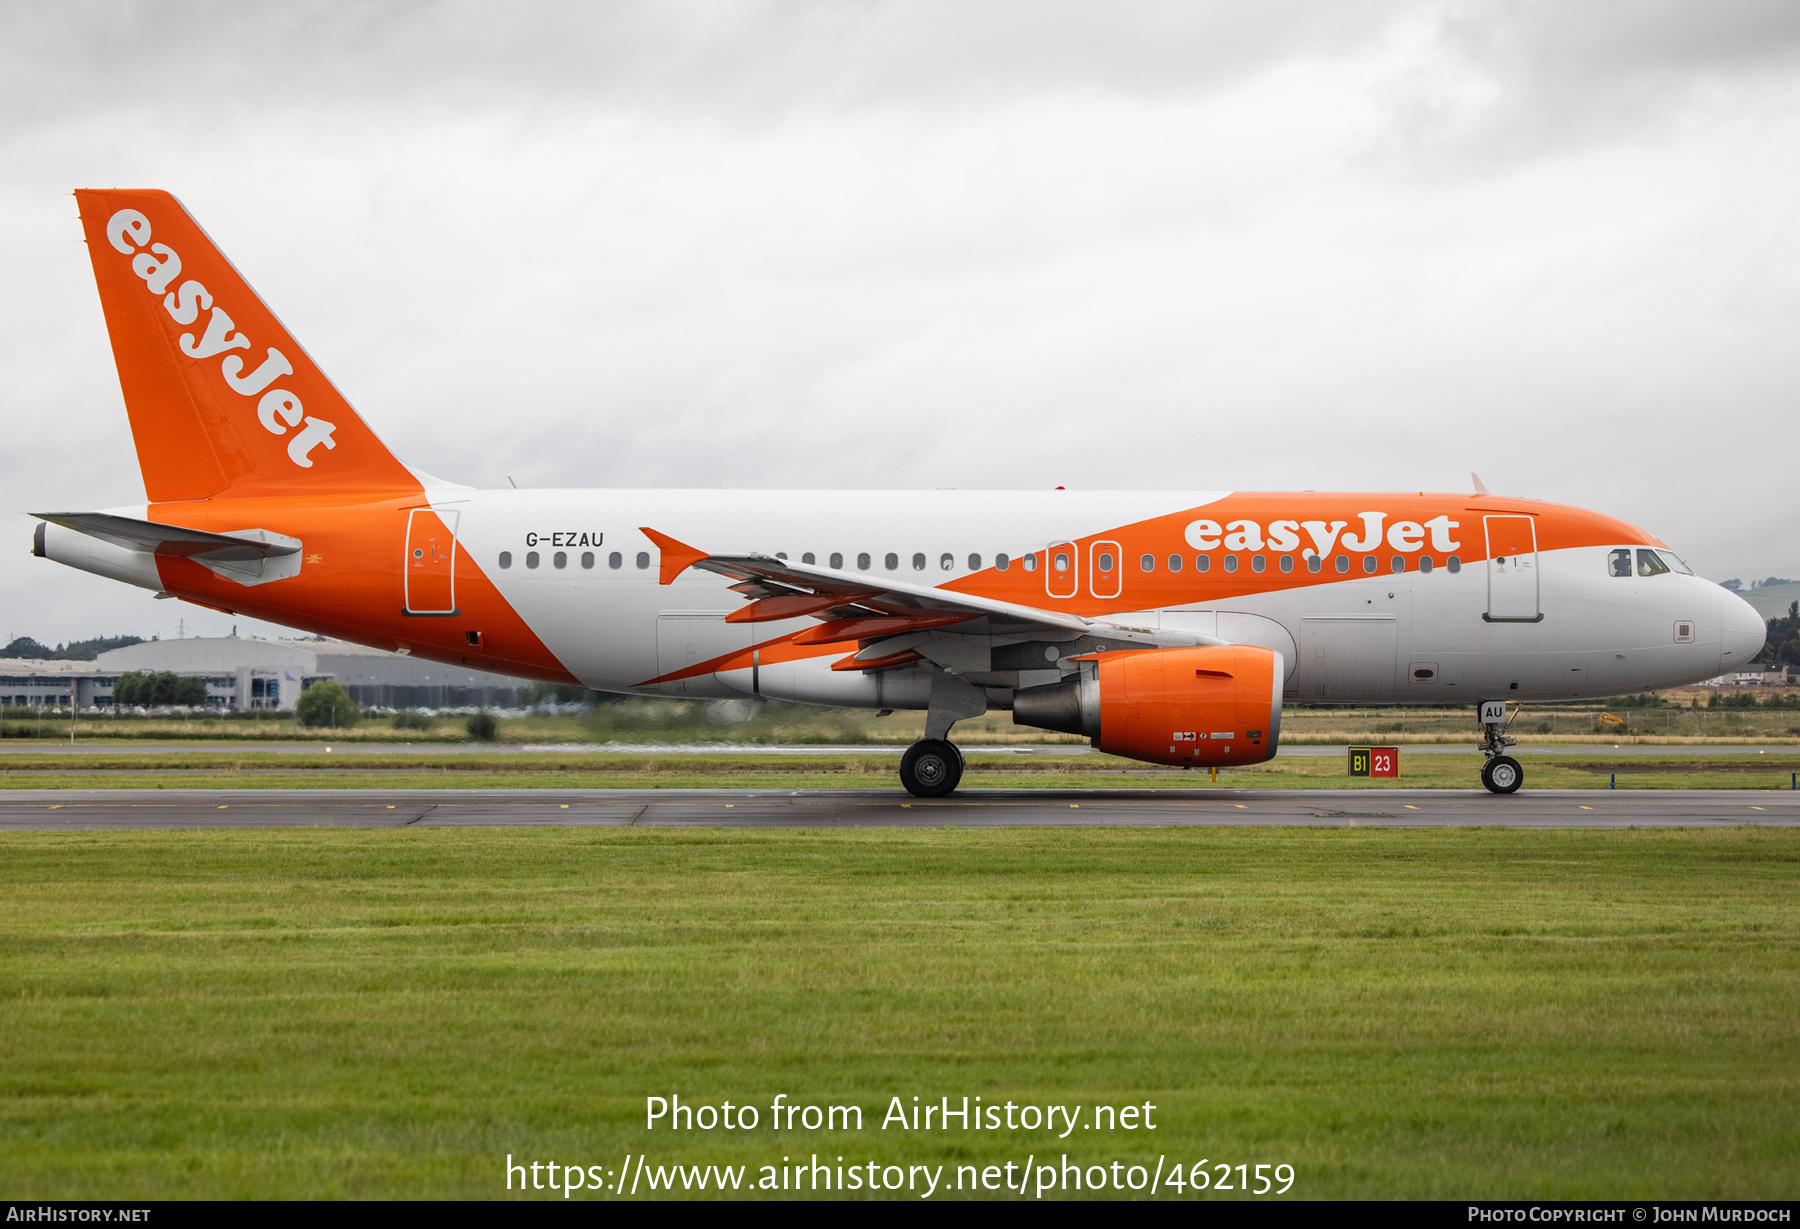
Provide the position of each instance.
(1165, 626)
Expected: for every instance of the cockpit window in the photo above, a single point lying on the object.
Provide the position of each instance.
(1650, 563)
(1675, 564)
(1618, 563)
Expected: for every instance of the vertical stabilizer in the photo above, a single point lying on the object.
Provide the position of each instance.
(222, 400)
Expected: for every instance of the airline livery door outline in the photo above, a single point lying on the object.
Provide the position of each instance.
(429, 570)
(1512, 570)
(1106, 569)
(1062, 569)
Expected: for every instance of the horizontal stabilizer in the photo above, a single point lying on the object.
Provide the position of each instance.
(243, 546)
(247, 556)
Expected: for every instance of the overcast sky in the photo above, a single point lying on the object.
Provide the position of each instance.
(1255, 246)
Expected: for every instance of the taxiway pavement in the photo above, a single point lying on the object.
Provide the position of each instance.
(73, 810)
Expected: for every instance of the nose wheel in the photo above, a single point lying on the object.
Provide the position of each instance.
(1501, 773)
(931, 768)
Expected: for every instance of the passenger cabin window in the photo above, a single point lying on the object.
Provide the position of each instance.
(892, 560)
(807, 557)
(1029, 563)
(1314, 562)
(643, 559)
(1343, 563)
(1231, 563)
(1618, 563)
(1424, 563)
(974, 563)
(862, 561)
(506, 559)
(1174, 563)
(1258, 563)
(560, 559)
(919, 563)
(836, 560)
(1202, 563)
(1650, 563)
(1106, 561)
(1147, 563)
(587, 558)
(1454, 564)
(615, 560)
(946, 562)
(1287, 563)
(1001, 563)
(531, 559)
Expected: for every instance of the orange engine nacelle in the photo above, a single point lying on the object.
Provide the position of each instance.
(1194, 707)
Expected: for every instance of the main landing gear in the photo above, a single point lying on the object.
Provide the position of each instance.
(931, 768)
(1501, 773)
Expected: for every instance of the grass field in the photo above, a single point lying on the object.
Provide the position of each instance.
(1771, 769)
(1423, 1013)
(684, 721)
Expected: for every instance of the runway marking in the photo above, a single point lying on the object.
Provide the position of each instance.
(1409, 806)
(1074, 805)
(1756, 808)
(1585, 808)
(565, 806)
(226, 807)
(1240, 806)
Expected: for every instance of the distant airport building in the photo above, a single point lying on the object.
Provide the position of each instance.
(243, 674)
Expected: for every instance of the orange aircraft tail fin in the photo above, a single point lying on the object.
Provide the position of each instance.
(222, 399)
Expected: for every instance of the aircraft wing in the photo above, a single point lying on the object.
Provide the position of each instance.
(862, 606)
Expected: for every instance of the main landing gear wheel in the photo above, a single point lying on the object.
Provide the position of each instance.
(931, 768)
(1502, 774)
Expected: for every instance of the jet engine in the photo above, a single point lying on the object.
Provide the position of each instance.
(1202, 707)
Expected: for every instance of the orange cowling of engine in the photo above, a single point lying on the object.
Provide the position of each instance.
(1194, 707)
(1205, 707)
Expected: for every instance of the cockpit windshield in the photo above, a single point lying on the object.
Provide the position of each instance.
(1649, 562)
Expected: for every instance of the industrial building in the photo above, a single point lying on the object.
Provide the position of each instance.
(245, 673)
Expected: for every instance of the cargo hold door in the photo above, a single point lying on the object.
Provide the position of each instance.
(1512, 570)
(428, 573)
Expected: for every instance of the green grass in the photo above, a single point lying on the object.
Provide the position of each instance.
(1444, 1013)
(990, 770)
(647, 720)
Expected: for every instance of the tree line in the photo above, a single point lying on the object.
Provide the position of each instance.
(1783, 641)
(27, 649)
(162, 688)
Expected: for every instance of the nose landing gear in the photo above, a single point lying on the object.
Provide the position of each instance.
(1501, 774)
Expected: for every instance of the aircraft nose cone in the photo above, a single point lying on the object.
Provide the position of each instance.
(1744, 632)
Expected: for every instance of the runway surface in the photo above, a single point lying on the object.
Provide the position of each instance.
(72, 810)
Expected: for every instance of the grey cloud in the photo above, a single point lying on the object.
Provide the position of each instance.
(195, 57)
